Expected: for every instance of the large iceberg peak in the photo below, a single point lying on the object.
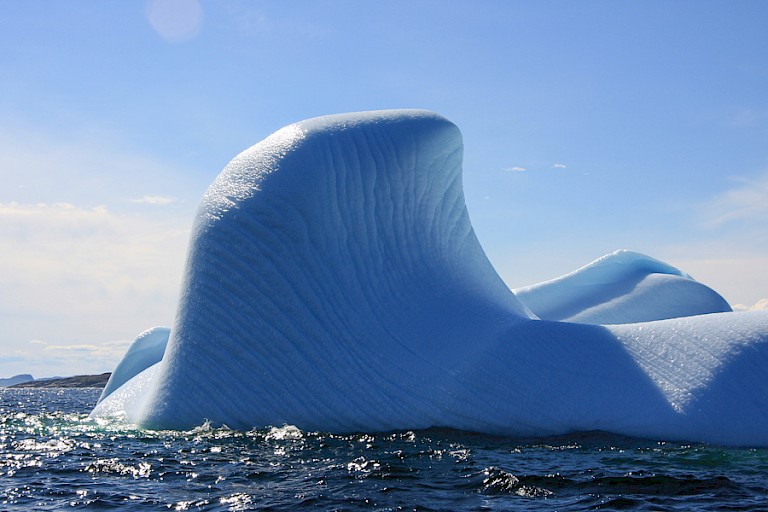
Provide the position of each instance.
(334, 282)
(335, 242)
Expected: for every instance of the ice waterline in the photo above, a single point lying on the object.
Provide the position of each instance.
(55, 457)
(334, 282)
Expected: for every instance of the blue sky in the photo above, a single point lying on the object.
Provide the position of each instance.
(588, 127)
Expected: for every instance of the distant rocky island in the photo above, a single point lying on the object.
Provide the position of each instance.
(16, 379)
(78, 381)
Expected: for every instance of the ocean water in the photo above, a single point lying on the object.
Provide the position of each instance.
(53, 457)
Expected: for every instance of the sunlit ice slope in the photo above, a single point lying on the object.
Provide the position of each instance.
(335, 259)
(621, 287)
(334, 282)
(145, 351)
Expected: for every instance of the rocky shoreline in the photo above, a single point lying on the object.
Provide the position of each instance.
(78, 381)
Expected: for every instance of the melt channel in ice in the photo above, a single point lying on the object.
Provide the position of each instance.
(334, 282)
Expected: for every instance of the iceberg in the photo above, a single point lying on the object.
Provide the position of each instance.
(620, 288)
(334, 282)
(145, 351)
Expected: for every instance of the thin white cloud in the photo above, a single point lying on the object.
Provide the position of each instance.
(175, 20)
(747, 202)
(734, 270)
(78, 261)
(112, 351)
(62, 249)
(251, 20)
(45, 359)
(86, 168)
(83, 274)
(68, 348)
(748, 117)
(15, 217)
(761, 305)
(157, 200)
(519, 168)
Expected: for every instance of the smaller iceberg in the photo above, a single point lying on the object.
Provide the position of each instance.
(145, 351)
(620, 288)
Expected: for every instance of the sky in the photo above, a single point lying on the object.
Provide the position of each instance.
(588, 127)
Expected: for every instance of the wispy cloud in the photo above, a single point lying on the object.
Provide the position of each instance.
(252, 20)
(175, 21)
(79, 261)
(761, 305)
(733, 269)
(15, 217)
(46, 359)
(83, 273)
(85, 169)
(157, 200)
(746, 202)
(749, 117)
(536, 167)
(55, 251)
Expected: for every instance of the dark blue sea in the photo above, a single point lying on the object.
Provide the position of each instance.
(53, 457)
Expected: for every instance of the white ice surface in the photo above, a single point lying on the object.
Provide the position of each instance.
(127, 402)
(619, 288)
(334, 282)
(146, 350)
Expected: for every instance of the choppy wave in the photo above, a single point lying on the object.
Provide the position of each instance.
(53, 457)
